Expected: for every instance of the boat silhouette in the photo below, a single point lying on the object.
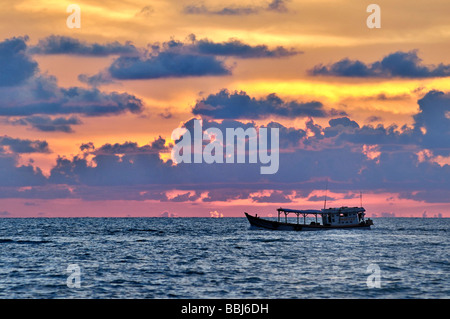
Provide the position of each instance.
(331, 218)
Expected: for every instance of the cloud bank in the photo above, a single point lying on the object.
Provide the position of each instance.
(239, 105)
(31, 98)
(56, 44)
(397, 64)
(351, 156)
(177, 59)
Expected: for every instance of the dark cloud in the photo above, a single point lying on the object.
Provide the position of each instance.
(186, 197)
(397, 64)
(239, 105)
(20, 146)
(316, 198)
(230, 48)
(339, 151)
(374, 118)
(130, 171)
(274, 6)
(183, 59)
(344, 130)
(55, 44)
(430, 196)
(13, 175)
(132, 165)
(166, 65)
(202, 9)
(37, 98)
(290, 137)
(97, 79)
(32, 189)
(157, 146)
(434, 119)
(15, 65)
(71, 46)
(48, 124)
(343, 121)
(42, 95)
(145, 12)
(278, 6)
(226, 194)
(274, 197)
(236, 48)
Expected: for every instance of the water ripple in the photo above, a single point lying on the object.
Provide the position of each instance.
(220, 258)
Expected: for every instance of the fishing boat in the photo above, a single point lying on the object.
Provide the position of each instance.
(331, 218)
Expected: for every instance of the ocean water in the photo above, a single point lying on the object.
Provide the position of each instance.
(221, 258)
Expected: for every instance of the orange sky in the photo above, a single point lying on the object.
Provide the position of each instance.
(325, 32)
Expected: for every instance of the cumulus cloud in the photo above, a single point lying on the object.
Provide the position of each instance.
(278, 6)
(274, 197)
(133, 165)
(130, 171)
(367, 157)
(226, 194)
(397, 64)
(193, 57)
(237, 48)
(15, 65)
(31, 98)
(17, 145)
(239, 105)
(42, 95)
(338, 152)
(433, 118)
(16, 179)
(316, 198)
(165, 65)
(155, 147)
(47, 123)
(56, 44)
(96, 80)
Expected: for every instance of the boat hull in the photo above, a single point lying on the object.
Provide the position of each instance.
(274, 225)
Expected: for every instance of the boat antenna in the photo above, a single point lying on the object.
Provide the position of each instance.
(326, 190)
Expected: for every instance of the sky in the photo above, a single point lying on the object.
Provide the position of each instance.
(89, 99)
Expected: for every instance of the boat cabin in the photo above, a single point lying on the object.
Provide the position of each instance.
(342, 216)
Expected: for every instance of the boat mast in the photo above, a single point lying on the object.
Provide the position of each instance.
(326, 191)
(360, 198)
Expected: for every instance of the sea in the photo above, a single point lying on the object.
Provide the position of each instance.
(202, 258)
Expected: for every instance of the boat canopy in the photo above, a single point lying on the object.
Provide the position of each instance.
(297, 211)
(322, 211)
(325, 213)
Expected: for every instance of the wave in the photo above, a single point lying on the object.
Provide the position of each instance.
(146, 230)
(7, 240)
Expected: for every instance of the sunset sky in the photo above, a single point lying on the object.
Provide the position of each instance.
(87, 113)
